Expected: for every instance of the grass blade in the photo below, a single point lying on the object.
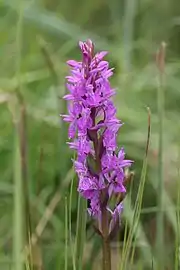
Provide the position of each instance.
(176, 267)
(141, 240)
(138, 203)
(66, 236)
(160, 215)
(70, 230)
(130, 12)
(18, 241)
(80, 230)
(51, 23)
(18, 208)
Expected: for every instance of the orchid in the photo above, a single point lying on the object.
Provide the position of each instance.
(94, 128)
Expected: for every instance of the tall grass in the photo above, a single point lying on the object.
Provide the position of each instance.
(18, 237)
(128, 248)
(160, 214)
(66, 236)
(37, 38)
(18, 208)
(80, 231)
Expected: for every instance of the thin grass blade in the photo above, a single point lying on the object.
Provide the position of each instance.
(80, 230)
(160, 60)
(66, 236)
(70, 230)
(18, 208)
(138, 203)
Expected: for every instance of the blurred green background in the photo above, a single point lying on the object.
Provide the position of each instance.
(37, 37)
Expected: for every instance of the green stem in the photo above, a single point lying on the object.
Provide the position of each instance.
(106, 258)
(106, 255)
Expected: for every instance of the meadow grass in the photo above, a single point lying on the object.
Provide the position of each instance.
(44, 224)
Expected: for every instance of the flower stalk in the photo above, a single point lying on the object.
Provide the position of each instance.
(106, 258)
(93, 129)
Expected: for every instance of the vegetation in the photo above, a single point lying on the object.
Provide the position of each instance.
(42, 220)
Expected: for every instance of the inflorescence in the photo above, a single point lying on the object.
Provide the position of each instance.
(100, 166)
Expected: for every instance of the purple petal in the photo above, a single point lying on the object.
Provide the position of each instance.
(72, 130)
(115, 217)
(73, 63)
(68, 97)
(100, 55)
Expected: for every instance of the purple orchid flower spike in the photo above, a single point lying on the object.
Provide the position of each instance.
(93, 129)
